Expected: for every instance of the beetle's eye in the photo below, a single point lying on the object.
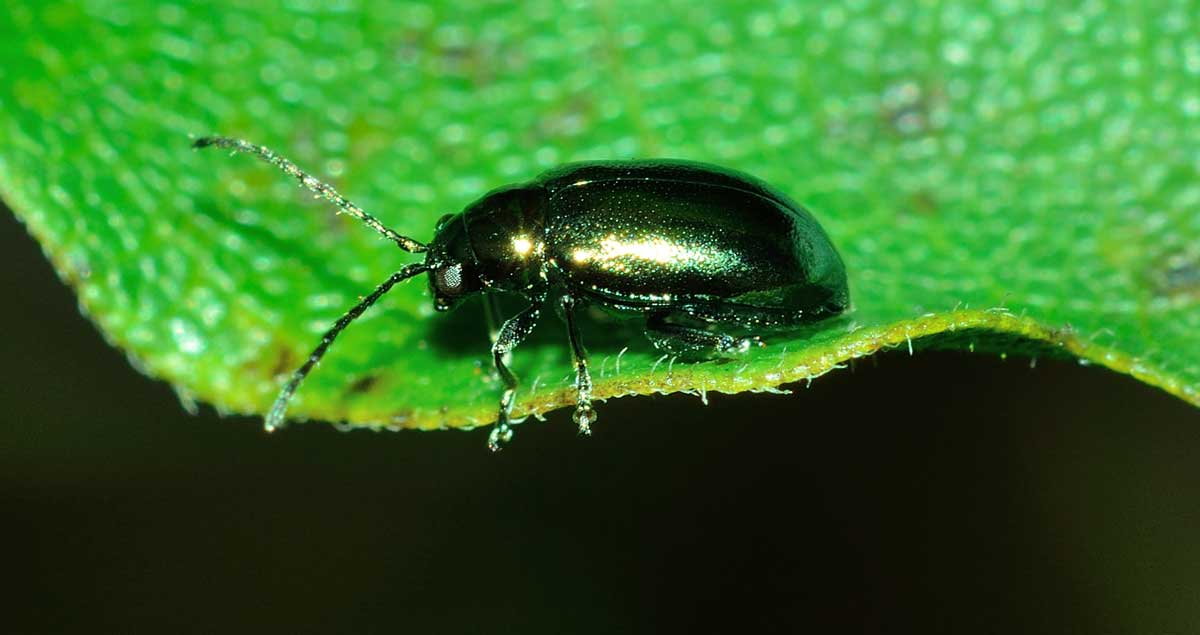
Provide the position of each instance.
(442, 221)
(449, 279)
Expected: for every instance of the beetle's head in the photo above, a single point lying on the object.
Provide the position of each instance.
(453, 270)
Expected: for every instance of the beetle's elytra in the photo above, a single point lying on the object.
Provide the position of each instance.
(706, 255)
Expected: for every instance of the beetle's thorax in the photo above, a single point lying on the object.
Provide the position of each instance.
(496, 243)
(506, 232)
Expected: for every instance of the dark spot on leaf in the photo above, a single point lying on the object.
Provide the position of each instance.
(273, 362)
(1177, 275)
(923, 202)
(363, 384)
(567, 119)
(909, 109)
(462, 56)
(283, 363)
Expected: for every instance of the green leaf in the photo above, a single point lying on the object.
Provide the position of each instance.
(998, 177)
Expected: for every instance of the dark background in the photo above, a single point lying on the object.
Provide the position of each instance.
(941, 493)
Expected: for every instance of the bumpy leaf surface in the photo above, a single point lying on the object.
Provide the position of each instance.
(1008, 176)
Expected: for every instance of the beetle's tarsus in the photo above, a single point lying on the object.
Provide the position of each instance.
(584, 417)
(500, 435)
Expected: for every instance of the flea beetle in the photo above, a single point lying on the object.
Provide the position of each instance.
(705, 255)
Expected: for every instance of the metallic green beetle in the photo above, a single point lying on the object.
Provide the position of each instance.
(698, 251)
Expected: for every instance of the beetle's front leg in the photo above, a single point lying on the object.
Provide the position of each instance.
(514, 330)
(584, 415)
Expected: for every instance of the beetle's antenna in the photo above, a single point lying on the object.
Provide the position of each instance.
(323, 190)
(279, 408)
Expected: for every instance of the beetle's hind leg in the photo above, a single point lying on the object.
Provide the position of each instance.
(584, 415)
(690, 341)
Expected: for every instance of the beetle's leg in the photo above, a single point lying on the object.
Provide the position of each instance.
(514, 330)
(679, 339)
(584, 415)
(275, 416)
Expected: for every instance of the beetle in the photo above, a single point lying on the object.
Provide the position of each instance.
(709, 257)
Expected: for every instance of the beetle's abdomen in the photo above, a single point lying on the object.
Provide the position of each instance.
(675, 233)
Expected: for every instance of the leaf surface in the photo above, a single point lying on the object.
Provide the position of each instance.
(1011, 179)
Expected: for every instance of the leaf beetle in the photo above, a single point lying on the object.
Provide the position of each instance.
(706, 255)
